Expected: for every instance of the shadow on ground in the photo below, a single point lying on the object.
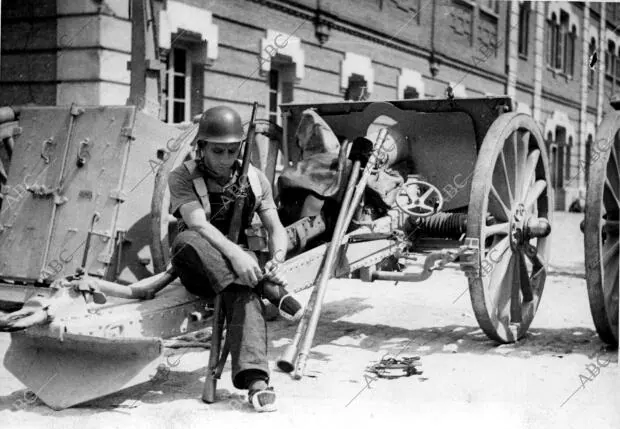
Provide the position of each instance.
(424, 341)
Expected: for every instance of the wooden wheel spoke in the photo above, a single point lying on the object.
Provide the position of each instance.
(521, 146)
(530, 173)
(502, 282)
(498, 228)
(505, 209)
(497, 251)
(610, 226)
(515, 298)
(614, 157)
(610, 253)
(533, 193)
(611, 190)
(610, 290)
(506, 178)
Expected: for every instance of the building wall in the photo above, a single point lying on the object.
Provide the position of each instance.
(64, 51)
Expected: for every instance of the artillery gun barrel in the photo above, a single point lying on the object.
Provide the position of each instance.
(344, 219)
(286, 362)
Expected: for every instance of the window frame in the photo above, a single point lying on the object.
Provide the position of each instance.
(357, 79)
(551, 41)
(524, 29)
(610, 59)
(169, 98)
(410, 88)
(591, 71)
(561, 44)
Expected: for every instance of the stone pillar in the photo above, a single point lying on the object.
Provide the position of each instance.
(539, 37)
(601, 65)
(513, 49)
(585, 60)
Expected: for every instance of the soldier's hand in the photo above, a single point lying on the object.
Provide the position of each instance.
(246, 268)
(273, 272)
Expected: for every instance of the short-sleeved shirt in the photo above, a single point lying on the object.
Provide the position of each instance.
(221, 197)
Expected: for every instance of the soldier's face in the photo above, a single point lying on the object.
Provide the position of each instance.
(220, 157)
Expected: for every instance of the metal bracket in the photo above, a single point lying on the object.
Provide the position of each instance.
(128, 132)
(82, 153)
(76, 111)
(118, 195)
(470, 263)
(44, 149)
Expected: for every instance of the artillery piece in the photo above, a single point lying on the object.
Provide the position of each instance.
(475, 192)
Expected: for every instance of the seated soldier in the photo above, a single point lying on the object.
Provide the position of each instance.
(202, 195)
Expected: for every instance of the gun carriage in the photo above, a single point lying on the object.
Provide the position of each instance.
(469, 185)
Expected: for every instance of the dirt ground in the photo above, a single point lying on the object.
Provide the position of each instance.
(468, 380)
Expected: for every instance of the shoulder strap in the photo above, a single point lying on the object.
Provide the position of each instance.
(200, 186)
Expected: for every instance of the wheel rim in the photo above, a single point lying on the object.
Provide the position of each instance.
(601, 229)
(510, 214)
(160, 218)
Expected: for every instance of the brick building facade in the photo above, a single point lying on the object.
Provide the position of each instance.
(273, 51)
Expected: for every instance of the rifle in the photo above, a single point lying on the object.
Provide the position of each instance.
(219, 354)
(235, 223)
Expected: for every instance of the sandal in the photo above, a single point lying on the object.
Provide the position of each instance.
(263, 400)
(288, 306)
(294, 304)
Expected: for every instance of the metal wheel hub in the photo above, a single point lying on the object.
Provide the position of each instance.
(524, 227)
(517, 227)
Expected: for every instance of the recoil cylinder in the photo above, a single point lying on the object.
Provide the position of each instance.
(438, 225)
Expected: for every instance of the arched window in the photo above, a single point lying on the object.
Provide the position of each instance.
(591, 70)
(561, 42)
(569, 51)
(524, 26)
(552, 38)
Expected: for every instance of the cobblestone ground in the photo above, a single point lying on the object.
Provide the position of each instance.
(468, 380)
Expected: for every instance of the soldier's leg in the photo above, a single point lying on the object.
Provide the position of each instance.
(202, 268)
(247, 335)
(205, 271)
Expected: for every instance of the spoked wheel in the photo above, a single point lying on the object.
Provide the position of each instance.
(510, 213)
(601, 229)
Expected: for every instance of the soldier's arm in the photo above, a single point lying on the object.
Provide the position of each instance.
(194, 217)
(278, 239)
(246, 268)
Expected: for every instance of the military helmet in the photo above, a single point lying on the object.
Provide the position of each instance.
(220, 124)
